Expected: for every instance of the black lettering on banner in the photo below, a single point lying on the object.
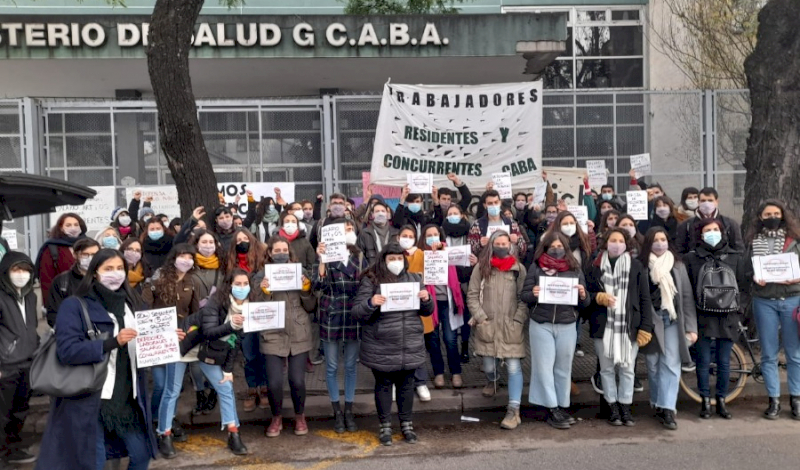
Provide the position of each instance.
(498, 99)
(415, 99)
(414, 164)
(405, 164)
(521, 97)
(387, 160)
(511, 99)
(474, 136)
(431, 100)
(445, 102)
(534, 96)
(408, 132)
(483, 100)
(416, 133)
(400, 97)
(458, 101)
(469, 103)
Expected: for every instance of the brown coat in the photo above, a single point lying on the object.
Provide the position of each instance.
(500, 314)
(295, 338)
(187, 302)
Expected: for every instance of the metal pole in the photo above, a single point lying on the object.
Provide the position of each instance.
(329, 142)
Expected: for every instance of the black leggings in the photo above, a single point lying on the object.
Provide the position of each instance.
(403, 380)
(297, 382)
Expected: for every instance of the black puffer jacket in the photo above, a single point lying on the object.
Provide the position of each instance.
(214, 327)
(549, 313)
(18, 337)
(63, 286)
(391, 341)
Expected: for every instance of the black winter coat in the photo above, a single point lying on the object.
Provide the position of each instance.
(214, 327)
(18, 336)
(685, 241)
(549, 313)
(367, 241)
(391, 341)
(63, 286)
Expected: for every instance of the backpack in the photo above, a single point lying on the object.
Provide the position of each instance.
(717, 290)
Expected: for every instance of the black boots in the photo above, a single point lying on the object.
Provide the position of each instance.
(774, 408)
(235, 444)
(705, 408)
(385, 434)
(349, 417)
(626, 415)
(407, 428)
(795, 402)
(614, 417)
(200, 406)
(722, 409)
(667, 419)
(211, 401)
(178, 433)
(165, 446)
(338, 416)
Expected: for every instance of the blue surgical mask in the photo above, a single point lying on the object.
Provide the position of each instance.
(110, 242)
(712, 238)
(607, 196)
(155, 235)
(454, 219)
(414, 207)
(431, 240)
(494, 211)
(240, 292)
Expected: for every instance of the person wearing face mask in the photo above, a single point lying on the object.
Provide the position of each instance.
(665, 216)
(674, 324)
(687, 240)
(580, 243)
(65, 284)
(18, 341)
(553, 329)
(291, 230)
(393, 343)
(172, 285)
(410, 210)
(138, 269)
(445, 198)
(549, 216)
(607, 221)
(776, 231)
(337, 208)
(627, 223)
(478, 237)
(607, 193)
(378, 232)
(604, 207)
(290, 345)
(116, 419)
(136, 211)
(245, 252)
(122, 222)
(55, 255)
(498, 318)
(715, 267)
(690, 201)
(338, 284)
(223, 225)
(108, 238)
(208, 262)
(156, 243)
(620, 320)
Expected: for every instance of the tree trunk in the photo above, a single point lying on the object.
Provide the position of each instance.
(773, 74)
(171, 29)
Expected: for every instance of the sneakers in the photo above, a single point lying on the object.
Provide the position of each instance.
(407, 428)
(438, 381)
(794, 401)
(556, 419)
(275, 427)
(263, 398)
(512, 419)
(688, 367)
(250, 402)
(235, 444)
(20, 457)
(300, 425)
(667, 419)
(423, 393)
(626, 415)
(317, 360)
(568, 416)
(465, 357)
(385, 434)
(579, 351)
(614, 417)
(489, 389)
(637, 385)
(457, 381)
(597, 383)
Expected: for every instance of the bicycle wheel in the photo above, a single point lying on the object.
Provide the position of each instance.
(738, 377)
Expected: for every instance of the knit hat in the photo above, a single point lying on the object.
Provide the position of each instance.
(377, 197)
(116, 212)
(146, 211)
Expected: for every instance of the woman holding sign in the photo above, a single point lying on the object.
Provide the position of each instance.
(455, 227)
(498, 318)
(554, 290)
(776, 232)
(293, 231)
(389, 303)
(288, 345)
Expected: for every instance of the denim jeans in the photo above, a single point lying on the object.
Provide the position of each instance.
(664, 370)
(255, 366)
(450, 337)
(770, 316)
(552, 351)
(612, 391)
(199, 381)
(159, 378)
(514, 368)
(135, 443)
(723, 359)
(226, 397)
(332, 350)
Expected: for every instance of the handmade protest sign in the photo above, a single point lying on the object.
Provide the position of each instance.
(472, 131)
(493, 228)
(157, 337)
(420, 184)
(558, 290)
(598, 175)
(283, 277)
(435, 268)
(96, 212)
(10, 237)
(539, 192)
(777, 268)
(637, 204)
(581, 214)
(335, 243)
(502, 184)
(641, 165)
(400, 296)
(458, 255)
(260, 316)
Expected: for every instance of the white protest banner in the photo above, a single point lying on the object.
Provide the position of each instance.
(335, 243)
(558, 290)
(400, 296)
(581, 214)
(10, 237)
(157, 337)
(777, 268)
(494, 228)
(472, 131)
(598, 175)
(637, 204)
(260, 316)
(96, 212)
(165, 199)
(419, 184)
(283, 277)
(641, 164)
(566, 183)
(458, 255)
(502, 184)
(435, 268)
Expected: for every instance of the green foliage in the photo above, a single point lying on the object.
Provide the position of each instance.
(398, 7)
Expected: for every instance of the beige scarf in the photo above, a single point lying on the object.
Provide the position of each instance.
(660, 274)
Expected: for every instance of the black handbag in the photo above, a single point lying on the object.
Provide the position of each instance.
(214, 352)
(51, 377)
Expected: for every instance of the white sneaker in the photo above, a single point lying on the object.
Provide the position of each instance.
(394, 393)
(423, 393)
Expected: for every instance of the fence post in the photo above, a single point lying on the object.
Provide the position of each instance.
(329, 141)
(709, 138)
(32, 163)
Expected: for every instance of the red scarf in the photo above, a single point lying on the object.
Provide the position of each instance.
(548, 262)
(124, 231)
(503, 264)
(287, 236)
(242, 258)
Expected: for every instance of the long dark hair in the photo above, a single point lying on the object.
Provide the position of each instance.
(583, 237)
(621, 232)
(673, 212)
(378, 273)
(548, 239)
(601, 229)
(262, 206)
(85, 287)
(147, 271)
(146, 229)
(789, 222)
(198, 234)
(485, 255)
(224, 292)
(255, 257)
(637, 239)
(56, 231)
(647, 245)
(279, 239)
(421, 243)
(166, 286)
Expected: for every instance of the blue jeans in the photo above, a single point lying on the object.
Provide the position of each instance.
(612, 392)
(664, 370)
(332, 349)
(450, 342)
(552, 351)
(514, 368)
(772, 315)
(135, 443)
(226, 397)
(723, 359)
(198, 379)
(255, 366)
(159, 378)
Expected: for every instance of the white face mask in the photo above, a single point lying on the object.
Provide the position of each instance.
(290, 228)
(691, 204)
(569, 229)
(406, 243)
(84, 262)
(20, 280)
(112, 280)
(124, 220)
(396, 267)
(350, 238)
(298, 214)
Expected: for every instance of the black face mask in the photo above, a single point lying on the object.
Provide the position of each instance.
(772, 223)
(280, 258)
(500, 252)
(243, 247)
(557, 253)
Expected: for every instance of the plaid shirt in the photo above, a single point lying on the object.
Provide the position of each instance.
(338, 291)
